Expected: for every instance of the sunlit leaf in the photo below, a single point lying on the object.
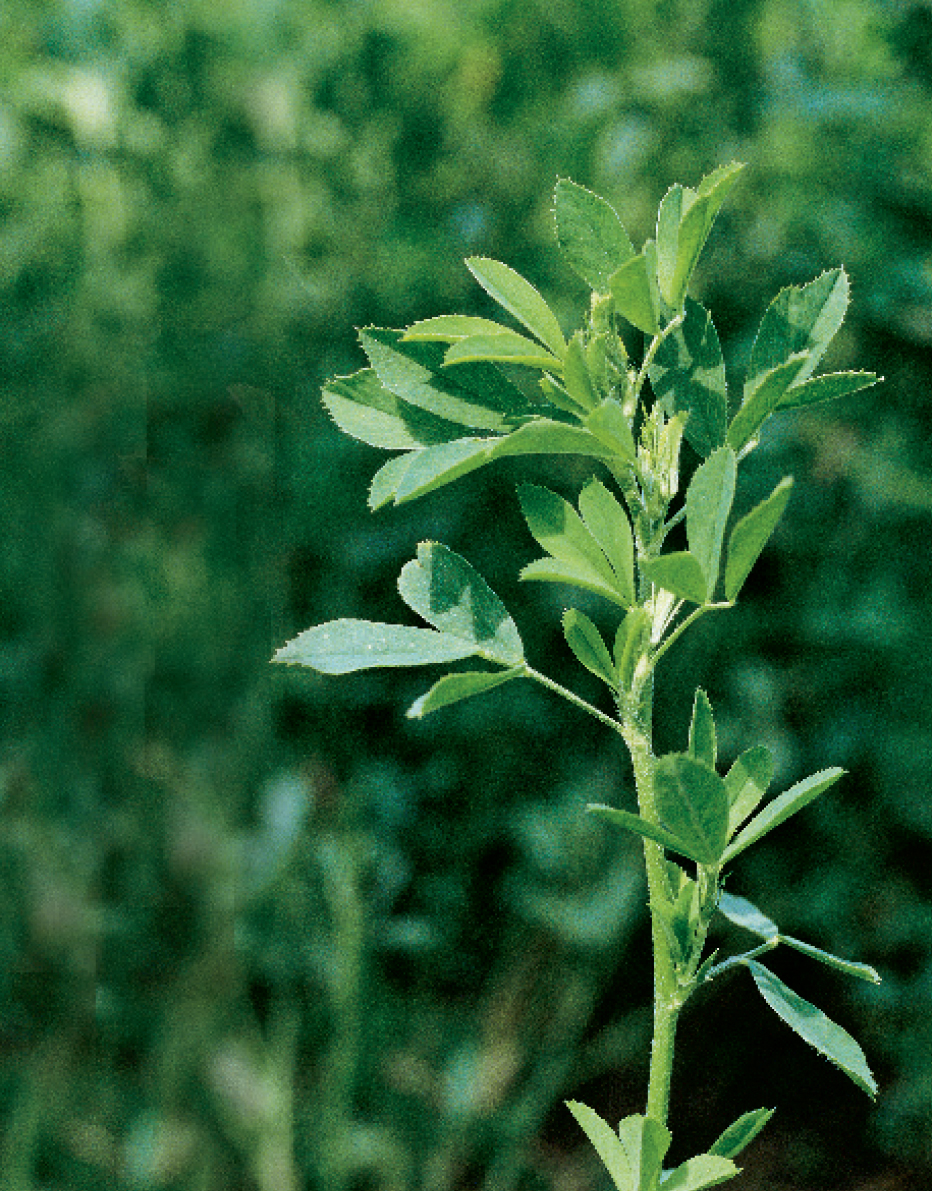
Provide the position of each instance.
(744, 913)
(557, 526)
(451, 595)
(434, 467)
(740, 1133)
(705, 1170)
(520, 299)
(760, 402)
(364, 409)
(546, 437)
(691, 801)
(608, 523)
(585, 640)
(698, 210)
(827, 388)
(688, 375)
(590, 233)
(679, 573)
(454, 687)
(343, 646)
(506, 348)
(645, 1141)
(612, 428)
(708, 503)
(632, 288)
(385, 482)
(553, 570)
(606, 1142)
(652, 831)
(746, 784)
(702, 744)
(751, 534)
(576, 375)
(447, 328)
(778, 811)
(811, 1024)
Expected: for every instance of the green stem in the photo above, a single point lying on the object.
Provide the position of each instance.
(530, 672)
(637, 731)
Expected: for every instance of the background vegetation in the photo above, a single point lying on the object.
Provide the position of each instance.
(236, 905)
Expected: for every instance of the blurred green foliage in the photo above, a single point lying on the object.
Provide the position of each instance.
(233, 911)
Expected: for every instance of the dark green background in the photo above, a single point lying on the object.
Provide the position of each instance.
(233, 901)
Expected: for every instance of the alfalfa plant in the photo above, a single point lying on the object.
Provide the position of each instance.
(436, 395)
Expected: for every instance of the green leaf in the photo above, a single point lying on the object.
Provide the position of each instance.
(546, 437)
(476, 395)
(557, 526)
(448, 593)
(652, 831)
(691, 801)
(585, 640)
(385, 482)
(746, 784)
(708, 503)
(827, 388)
(454, 687)
(751, 534)
(848, 966)
(814, 1027)
(741, 1133)
(590, 233)
(702, 743)
(759, 403)
(434, 467)
(520, 299)
(612, 428)
(364, 409)
(778, 811)
(697, 210)
(507, 348)
(744, 913)
(688, 375)
(552, 570)
(631, 641)
(343, 646)
(634, 293)
(576, 374)
(608, 523)
(606, 1142)
(705, 1170)
(556, 394)
(673, 206)
(447, 328)
(799, 319)
(645, 1141)
(679, 573)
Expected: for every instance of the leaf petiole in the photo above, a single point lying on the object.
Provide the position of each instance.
(684, 625)
(549, 683)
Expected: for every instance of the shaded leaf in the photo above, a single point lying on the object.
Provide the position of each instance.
(434, 467)
(606, 1142)
(631, 641)
(744, 913)
(760, 402)
(848, 966)
(590, 234)
(697, 214)
(652, 831)
(553, 570)
(691, 801)
(576, 374)
(343, 646)
(708, 503)
(520, 299)
(811, 1024)
(746, 784)
(608, 523)
(702, 743)
(585, 640)
(364, 409)
(384, 484)
(751, 534)
(688, 375)
(633, 290)
(781, 808)
(454, 687)
(448, 593)
(546, 437)
(612, 428)
(557, 526)
(827, 388)
(740, 1133)
(679, 573)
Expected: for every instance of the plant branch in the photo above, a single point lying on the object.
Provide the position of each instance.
(549, 683)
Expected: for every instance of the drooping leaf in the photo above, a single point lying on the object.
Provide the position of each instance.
(554, 570)
(746, 784)
(520, 299)
(811, 1024)
(697, 214)
(645, 1141)
(799, 319)
(778, 811)
(576, 374)
(590, 233)
(447, 328)
(633, 289)
(741, 1133)
(507, 348)
(606, 1142)
(454, 687)
(760, 402)
(474, 395)
(343, 646)
(652, 831)
(612, 428)
(848, 966)
(585, 640)
(608, 523)
(364, 409)
(448, 593)
(691, 801)
(688, 375)
(557, 526)
(744, 913)
(679, 573)
(434, 467)
(546, 437)
(827, 388)
(708, 503)
(702, 744)
(751, 534)
(705, 1170)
